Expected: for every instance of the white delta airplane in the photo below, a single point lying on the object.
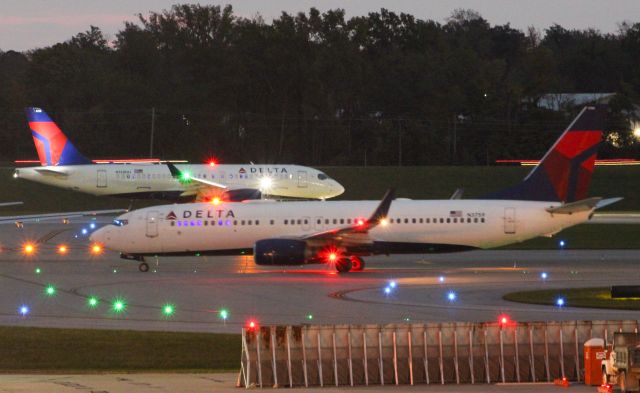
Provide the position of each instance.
(62, 165)
(551, 198)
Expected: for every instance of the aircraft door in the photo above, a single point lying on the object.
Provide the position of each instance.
(102, 178)
(152, 224)
(302, 179)
(509, 220)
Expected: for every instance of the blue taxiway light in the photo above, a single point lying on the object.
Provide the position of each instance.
(561, 243)
(393, 284)
(452, 296)
(441, 278)
(560, 302)
(23, 310)
(387, 290)
(84, 231)
(92, 225)
(544, 275)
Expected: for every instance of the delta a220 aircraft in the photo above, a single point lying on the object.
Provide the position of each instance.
(62, 165)
(551, 198)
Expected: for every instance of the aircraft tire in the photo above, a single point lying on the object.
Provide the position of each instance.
(357, 264)
(143, 267)
(343, 265)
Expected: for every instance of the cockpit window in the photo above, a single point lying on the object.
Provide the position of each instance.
(120, 223)
(322, 176)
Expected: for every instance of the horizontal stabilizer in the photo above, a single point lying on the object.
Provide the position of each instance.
(51, 172)
(606, 202)
(575, 207)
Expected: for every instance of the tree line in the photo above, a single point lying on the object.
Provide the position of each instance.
(318, 88)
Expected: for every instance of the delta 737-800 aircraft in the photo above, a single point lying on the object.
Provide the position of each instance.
(64, 166)
(551, 198)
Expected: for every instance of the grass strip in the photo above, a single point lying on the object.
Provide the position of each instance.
(44, 349)
(599, 297)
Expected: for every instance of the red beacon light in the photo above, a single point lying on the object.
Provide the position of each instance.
(359, 222)
(252, 325)
(212, 162)
(504, 320)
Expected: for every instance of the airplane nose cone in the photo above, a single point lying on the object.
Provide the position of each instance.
(99, 236)
(338, 189)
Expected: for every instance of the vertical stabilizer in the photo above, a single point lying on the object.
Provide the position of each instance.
(564, 173)
(51, 143)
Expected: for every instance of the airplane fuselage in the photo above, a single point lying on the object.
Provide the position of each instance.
(412, 226)
(155, 180)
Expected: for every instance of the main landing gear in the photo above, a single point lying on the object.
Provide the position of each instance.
(143, 267)
(346, 264)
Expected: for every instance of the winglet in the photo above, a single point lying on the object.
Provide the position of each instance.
(606, 202)
(175, 172)
(383, 208)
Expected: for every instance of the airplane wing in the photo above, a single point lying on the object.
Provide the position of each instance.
(205, 190)
(457, 194)
(64, 216)
(358, 233)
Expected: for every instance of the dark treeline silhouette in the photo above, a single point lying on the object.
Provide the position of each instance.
(318, 88)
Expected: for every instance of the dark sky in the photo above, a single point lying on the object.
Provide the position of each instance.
(28, 24)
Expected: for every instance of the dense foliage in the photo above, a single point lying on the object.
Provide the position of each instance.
(317, 88)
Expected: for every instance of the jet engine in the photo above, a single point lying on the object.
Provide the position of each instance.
(281, 252)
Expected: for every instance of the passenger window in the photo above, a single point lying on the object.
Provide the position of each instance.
(413, 220)
(342, 221)
(173, 223)
(406, 220)
(326, 221)
(299, 222)
(306, 221)
(235, 222)
(482, 220)
(257, 222)
(427, 220)
(421, 221)
(455, 220)
(348, 221)
(448, 220)
(242, 222)
(271, 222)
(442, 221)
(249, 222)
(335, 221)
(286, 222)
(318, 221)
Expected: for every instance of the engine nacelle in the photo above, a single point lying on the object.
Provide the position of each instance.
(242, 194)
(280, 252)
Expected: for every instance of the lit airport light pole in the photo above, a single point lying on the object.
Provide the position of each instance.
(63, 249)
(96, 249)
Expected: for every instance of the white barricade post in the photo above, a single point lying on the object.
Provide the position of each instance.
(271, 355)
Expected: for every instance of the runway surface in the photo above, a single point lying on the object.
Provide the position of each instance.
(200, 287)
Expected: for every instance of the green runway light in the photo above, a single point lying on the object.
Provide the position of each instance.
(92, 302)
(168, 309)
(119, 305)
(50, 290)
(38, 270)
(224, 314)
(310, 317)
